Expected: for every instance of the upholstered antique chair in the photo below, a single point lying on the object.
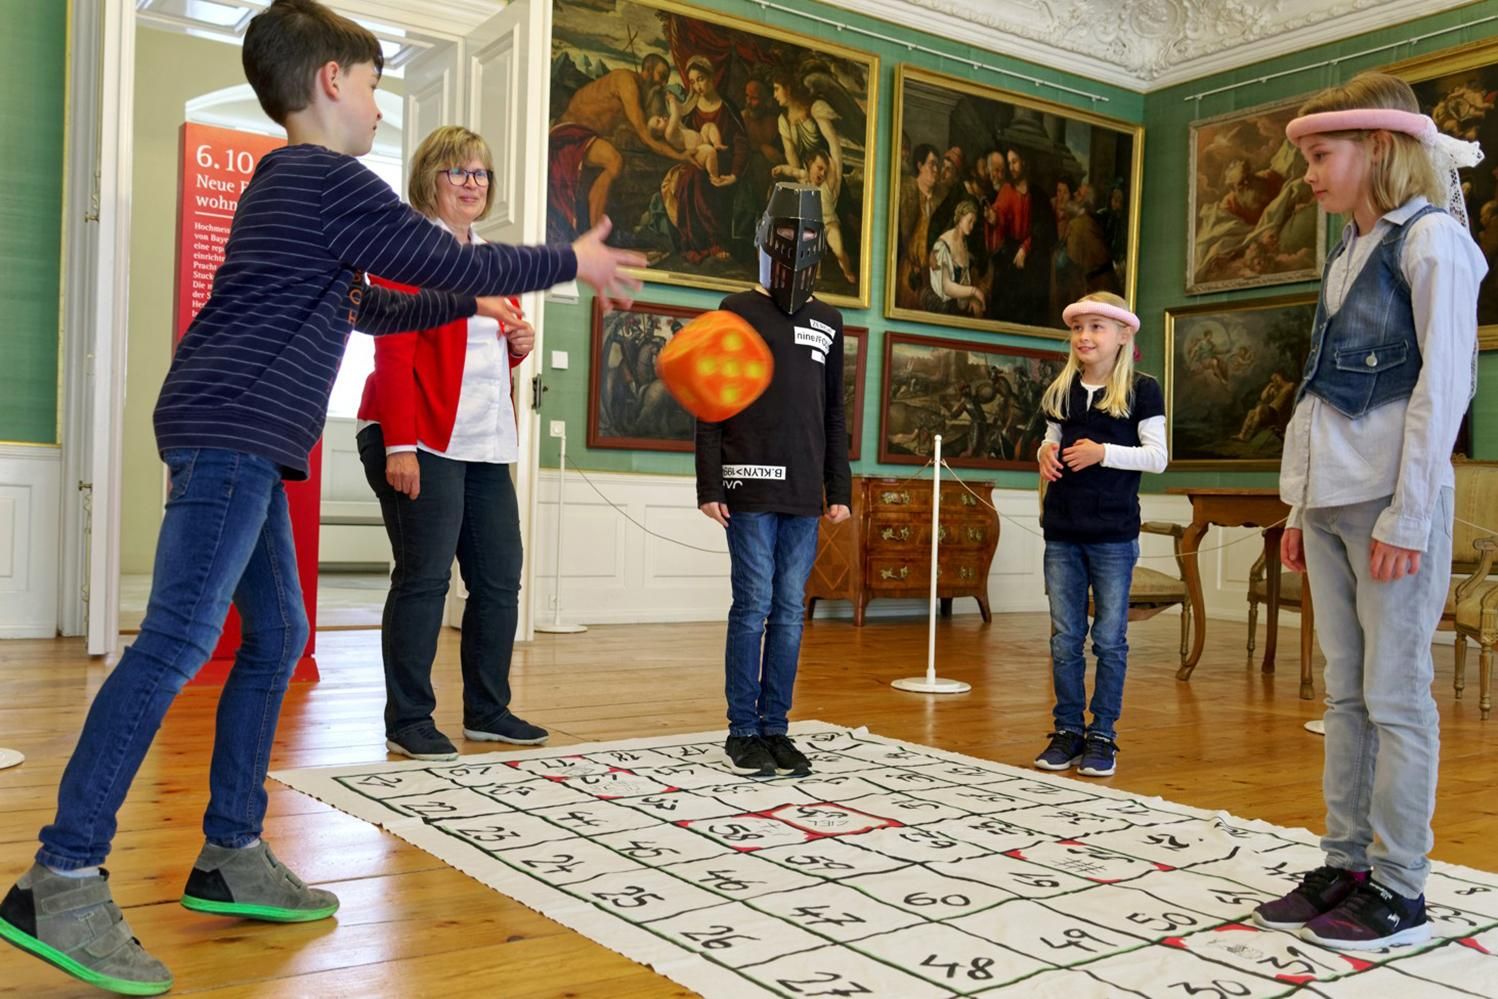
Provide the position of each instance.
(1291, 587)
(1472, 604)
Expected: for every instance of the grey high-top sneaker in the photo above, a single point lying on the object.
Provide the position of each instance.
(73, 923)
(253, 884)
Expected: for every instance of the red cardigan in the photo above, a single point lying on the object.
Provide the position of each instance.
(413, 391)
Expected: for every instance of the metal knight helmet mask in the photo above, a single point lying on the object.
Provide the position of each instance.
(791, 239)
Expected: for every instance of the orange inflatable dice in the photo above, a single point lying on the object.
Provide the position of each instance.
(716, 365)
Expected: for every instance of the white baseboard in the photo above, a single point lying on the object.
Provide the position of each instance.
(30, 504)
(615, 573)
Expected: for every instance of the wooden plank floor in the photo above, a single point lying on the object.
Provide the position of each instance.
(412, 926)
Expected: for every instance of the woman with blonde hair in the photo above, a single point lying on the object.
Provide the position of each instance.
(437, 437)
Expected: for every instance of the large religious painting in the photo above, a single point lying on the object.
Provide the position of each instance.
(1253, 219)
(982, 398)
(1005, 208)
(676, 122)
(1231, 371)
(1459, 89)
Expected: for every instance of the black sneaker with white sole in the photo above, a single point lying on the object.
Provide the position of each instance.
(507, 728)
(788, 759)
(423, 742)
(749, 756)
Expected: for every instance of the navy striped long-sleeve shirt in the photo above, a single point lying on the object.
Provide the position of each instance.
(255, 368)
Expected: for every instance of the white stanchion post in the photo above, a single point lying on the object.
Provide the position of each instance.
(556, 627)
(931, 683)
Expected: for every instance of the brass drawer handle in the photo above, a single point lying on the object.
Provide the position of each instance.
(975, 534)
(968, 500)
(964, 572)
(941, 533)
(894, 498)
(891, 534)
(902, 573)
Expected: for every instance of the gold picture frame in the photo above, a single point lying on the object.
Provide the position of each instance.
(662, 197)
(1020, 287)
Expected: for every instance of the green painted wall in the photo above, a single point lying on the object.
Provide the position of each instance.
(33, 72)
(568, 327)
(1163, 242)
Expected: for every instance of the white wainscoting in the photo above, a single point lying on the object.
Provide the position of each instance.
(30, 501)
(615, 573)
(352, 532)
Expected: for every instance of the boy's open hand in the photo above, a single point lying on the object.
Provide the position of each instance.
(837, 513)
(1292, 549)
(1390, 562)
(717, 511)
(403, 472)
(1082, 454)
(1050, 467)
(598, 265)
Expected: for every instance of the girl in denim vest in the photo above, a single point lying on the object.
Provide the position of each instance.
(1105, 424)
(1367, 474)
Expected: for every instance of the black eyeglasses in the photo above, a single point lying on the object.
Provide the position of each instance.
(458, 177)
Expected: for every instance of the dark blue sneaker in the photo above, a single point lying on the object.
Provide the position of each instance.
(1372, 918)
(508, 728)
(1098, 756)
(1063, 752)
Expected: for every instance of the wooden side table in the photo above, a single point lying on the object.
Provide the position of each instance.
(1243, 508)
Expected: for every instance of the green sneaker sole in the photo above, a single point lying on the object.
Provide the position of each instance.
(25, 941)
(268, 913)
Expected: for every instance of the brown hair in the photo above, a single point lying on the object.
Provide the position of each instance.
(288, 42)
(1405, 169)
(448, 146)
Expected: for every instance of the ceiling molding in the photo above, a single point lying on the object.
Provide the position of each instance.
(1145, 45)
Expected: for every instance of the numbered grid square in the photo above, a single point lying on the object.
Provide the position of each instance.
(837, 971)
(740, 875)
(835, 912)
(1047, 932)
(931, 896)
(735, 935)
(946, 956)
(643, 896)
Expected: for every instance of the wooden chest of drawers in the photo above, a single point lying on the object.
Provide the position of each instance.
(884, 549)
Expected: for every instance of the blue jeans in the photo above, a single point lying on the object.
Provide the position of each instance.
(226, 535)
(1383, 736)
(467, 509)
(1108, 569)
(770, 556)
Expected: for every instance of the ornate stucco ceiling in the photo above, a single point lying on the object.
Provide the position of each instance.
(1146, 44)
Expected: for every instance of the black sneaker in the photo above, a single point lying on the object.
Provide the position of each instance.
(1371, 918)
(747, 755)
(788, 759)
(508, 728)
(423, 742)
(1063, 752)
(1098, 756)
(1318, 893)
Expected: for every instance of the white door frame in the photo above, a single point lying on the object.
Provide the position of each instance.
(96, 214)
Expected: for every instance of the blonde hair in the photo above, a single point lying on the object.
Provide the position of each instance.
(447, 147)
(1118, 394)
(1405, 170)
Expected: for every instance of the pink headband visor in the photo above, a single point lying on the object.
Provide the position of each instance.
(1361, 119)
(1103, 309)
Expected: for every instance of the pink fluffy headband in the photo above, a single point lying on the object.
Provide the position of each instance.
(1419, 125)
(1091, 308)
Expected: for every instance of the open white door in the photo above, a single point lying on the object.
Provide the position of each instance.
(495, 82)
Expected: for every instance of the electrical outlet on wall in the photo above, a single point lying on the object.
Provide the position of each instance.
(558, 428)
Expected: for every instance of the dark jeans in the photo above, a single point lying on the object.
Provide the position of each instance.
(467, 509)
(770, 556)
(226, 534)
(1108, 569)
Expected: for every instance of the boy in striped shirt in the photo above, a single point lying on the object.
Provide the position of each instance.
(243, 404)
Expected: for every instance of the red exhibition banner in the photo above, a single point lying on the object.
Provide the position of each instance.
(215, 168)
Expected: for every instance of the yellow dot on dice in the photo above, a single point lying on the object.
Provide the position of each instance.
(754, 369)
(731, 341)
(731, 369)
(706, 366)
(729, 394)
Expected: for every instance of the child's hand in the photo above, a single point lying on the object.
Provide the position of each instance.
(717, 511)
(1390, 562)
(403, 472)
(521, 338)
(1050, 467)
(1083, 453)
(598, 265)
(837, 513)
(1292, 550)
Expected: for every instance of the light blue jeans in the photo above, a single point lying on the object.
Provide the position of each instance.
(1383, 737)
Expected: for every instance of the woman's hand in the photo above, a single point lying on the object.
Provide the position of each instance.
(1083, 454)
(403, 472)
(519, 334)
(1050, 467)
(598, 265)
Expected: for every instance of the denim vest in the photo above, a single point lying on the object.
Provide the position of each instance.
(1367, 354)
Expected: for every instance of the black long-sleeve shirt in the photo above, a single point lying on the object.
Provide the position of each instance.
(255, 368)
(784, 449)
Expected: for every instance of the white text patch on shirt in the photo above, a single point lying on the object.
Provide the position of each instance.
(754, 472)
(818, 341)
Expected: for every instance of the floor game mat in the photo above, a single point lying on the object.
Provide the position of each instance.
(896, 870)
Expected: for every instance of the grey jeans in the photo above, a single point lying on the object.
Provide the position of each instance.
(1383, 735)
